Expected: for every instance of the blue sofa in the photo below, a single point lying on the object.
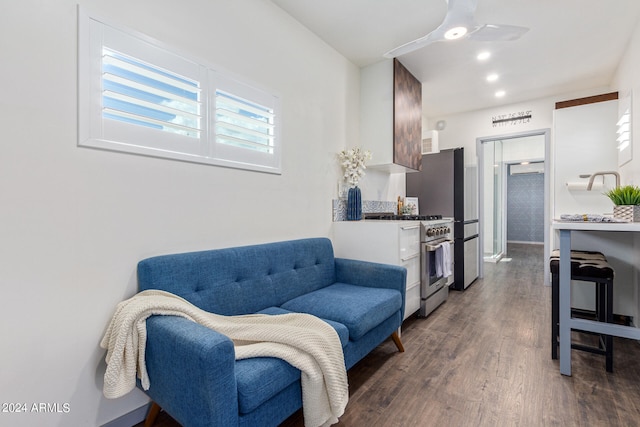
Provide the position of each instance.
(192, 369)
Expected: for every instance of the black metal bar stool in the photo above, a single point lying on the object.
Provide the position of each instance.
(593, 267)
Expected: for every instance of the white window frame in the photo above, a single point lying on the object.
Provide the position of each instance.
(96, 131)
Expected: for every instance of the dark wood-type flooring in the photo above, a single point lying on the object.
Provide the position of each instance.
(483, 358)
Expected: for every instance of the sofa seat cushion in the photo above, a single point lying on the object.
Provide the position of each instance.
(261, 378)
(343, 332)
(359, 308)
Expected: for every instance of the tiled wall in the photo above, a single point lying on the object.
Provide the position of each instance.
(525, 208)
(368, 206)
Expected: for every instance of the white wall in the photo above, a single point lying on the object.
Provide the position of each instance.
(522, 149)
(463, 129)
(378, 185)
(584, 143)
(74, 221)
(627, 81)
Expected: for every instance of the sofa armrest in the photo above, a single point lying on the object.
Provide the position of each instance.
(191, 372)
(373, 275)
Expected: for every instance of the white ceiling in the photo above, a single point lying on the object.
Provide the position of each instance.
(572, 45)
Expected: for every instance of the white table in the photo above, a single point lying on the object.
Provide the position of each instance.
(566, 321)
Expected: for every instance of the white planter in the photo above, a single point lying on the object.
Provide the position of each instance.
(627, 212)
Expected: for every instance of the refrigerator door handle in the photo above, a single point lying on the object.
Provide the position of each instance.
(475, 236)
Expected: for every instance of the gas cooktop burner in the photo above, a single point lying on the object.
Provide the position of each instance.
(392, 217)
(429, 217)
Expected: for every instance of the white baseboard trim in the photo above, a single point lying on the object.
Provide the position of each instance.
(131, 418)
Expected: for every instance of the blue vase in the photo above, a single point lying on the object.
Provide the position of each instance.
(354, 205)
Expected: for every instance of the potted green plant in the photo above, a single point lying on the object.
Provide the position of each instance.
(627, 202)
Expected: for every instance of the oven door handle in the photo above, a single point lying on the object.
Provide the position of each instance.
(411, 227)
(432, 246)
(410, 257)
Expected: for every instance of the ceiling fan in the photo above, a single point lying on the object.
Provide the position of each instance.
(459, 22)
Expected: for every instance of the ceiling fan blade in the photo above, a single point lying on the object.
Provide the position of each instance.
(493, 32)
(413, 45)
(460, 11)
(459, 14)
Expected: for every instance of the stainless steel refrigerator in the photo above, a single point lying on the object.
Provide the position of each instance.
(444, 186)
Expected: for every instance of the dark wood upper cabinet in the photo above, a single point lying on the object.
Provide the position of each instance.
(391, 116)
(407, 118)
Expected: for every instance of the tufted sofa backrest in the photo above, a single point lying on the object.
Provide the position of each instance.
(244, 279)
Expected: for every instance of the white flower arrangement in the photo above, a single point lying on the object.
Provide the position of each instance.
(353, 163)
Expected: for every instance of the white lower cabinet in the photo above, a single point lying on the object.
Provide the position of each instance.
(387, 242)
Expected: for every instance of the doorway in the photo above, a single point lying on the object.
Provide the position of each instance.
(499, 157)
(525, 203)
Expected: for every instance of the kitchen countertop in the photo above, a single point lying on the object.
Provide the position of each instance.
(395, 221)
(595, 226)
(369, 222)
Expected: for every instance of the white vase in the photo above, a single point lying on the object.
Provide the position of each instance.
(627, 212)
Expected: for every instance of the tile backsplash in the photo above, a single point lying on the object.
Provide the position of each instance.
(368, 206)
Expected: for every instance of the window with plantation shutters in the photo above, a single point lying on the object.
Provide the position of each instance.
(138, 96)
(146, 95)
(242, 123)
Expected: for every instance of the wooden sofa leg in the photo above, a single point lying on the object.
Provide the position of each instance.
(152, 415)
(396, 340)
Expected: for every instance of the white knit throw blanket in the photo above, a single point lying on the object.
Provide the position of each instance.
(303, 340)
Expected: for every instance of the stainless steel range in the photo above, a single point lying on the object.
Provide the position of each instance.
(436, 241)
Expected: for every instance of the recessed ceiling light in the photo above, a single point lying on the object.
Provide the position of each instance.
(492, 77)
(483, 56)
(455, 33)
(500, 94)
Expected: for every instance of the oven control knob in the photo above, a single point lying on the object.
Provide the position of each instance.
(439, 230)
(430, 232)
(447, 230)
